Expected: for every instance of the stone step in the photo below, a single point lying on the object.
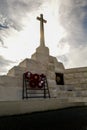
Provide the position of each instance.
(35, 105)
(75, 87)
(16, 71)
(71, 94)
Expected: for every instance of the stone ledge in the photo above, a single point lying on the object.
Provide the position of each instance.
(34, 105)
(74, 70)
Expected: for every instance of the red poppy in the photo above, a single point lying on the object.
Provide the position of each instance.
(31, 76)
(41, 84)
(33, 84)
(27, 74)
(43, 76)
(35, 80)
(36, 77)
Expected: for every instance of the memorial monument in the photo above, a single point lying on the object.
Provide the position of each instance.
(70, 84)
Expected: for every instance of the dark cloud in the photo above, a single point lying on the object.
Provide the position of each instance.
(63, 58)
(3, 27)
(73, 15)
(4, 8)
(1, 43)
(12, 13)
(16, 10)
(73, 18)
(4, 24)
(76, 58)
(85, 19)
(29, 5)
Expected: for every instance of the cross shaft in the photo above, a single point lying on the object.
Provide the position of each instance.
(42, 40)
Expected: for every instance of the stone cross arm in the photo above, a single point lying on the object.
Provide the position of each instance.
(41, 19)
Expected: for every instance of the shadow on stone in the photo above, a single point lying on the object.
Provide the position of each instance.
(69, 118)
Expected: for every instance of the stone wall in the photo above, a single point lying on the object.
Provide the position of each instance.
(75, 84)
(75, 80)
(75, 76)
(10, 88)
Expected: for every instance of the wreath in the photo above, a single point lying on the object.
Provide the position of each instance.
(33, 84)
(41, 84)
(35, 80)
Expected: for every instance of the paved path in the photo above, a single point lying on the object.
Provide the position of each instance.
(64, 119)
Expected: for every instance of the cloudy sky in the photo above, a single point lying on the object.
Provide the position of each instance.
(65, 31)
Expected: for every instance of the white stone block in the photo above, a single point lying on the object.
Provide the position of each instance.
(85, 74)
(51, 84)
(69, 76)
(50, 75)
(10, 93)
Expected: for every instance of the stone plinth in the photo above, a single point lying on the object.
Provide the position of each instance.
(41, 55)
(33, 66)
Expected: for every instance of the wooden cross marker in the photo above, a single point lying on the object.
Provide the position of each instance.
(42, 40)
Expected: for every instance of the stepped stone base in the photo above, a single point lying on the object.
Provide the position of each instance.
(75, 80)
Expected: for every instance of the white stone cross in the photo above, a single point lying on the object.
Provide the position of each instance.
(42, 40)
